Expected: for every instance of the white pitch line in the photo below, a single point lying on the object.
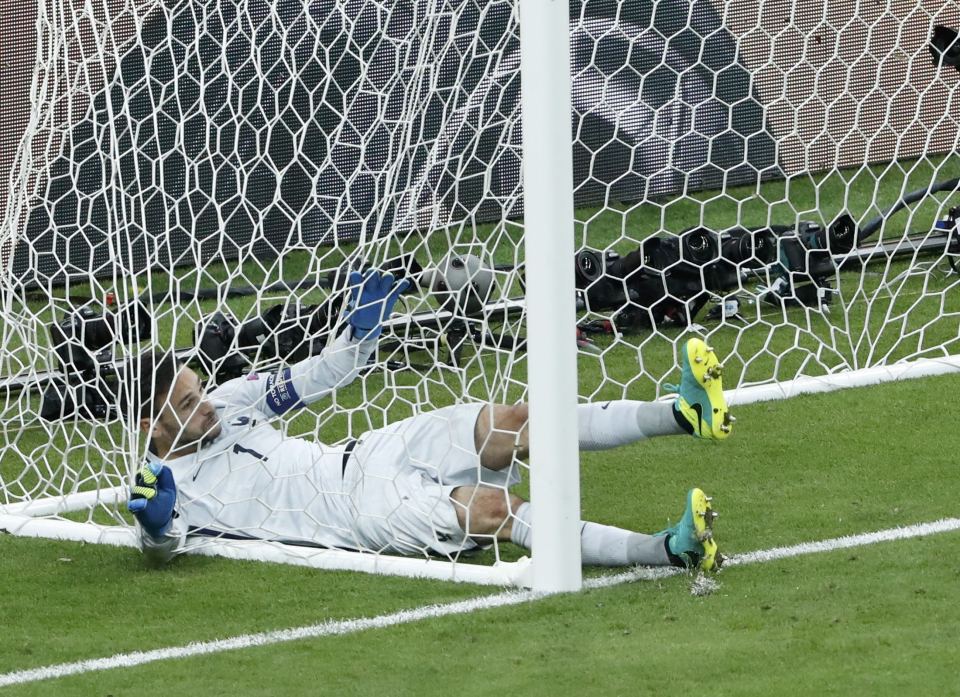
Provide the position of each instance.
(507, 598)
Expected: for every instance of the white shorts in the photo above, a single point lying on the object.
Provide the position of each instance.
(399, 480)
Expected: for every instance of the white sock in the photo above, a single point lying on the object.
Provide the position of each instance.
(601, 545)
(520, 532)
(604, 425)
(605, 545)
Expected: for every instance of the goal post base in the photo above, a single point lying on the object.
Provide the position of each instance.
(500, 574)
(863, 377)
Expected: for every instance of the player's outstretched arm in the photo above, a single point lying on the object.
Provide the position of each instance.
(372, 297)
(152, 501)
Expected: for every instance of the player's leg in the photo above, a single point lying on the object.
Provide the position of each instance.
(604, 425)
(501, 434)
(485, 512)
(700, 409)
(501, 431)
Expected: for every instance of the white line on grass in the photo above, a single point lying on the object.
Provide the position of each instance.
(340, 627)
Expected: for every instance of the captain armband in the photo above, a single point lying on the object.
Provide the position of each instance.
(281, 395)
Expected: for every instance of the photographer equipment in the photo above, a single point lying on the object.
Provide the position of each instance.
(945, 47)
(289, 332)
(90, 393)
(82, 341)
(950, 225)
(650, 284)
(668, 278)
(83, 332)
(214, 338)
(461, 282)
(805, 261)
(671, 277)
(89, 401)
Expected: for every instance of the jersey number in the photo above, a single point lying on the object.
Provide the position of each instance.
(237, 448)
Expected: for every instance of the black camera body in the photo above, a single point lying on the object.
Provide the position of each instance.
(82, 333)
(83, 342)
(289, 332)
(806, 262)
(671, 277)
(92, 396)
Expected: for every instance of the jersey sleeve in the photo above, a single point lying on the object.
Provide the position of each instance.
(302, 383)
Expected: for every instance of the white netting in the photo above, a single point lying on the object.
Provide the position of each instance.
(234, 157)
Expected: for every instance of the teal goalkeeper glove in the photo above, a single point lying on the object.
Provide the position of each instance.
(152, 499)
(372, 297)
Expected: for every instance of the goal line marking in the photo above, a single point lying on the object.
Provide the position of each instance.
(506, 598)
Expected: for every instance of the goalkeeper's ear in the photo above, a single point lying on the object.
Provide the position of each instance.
(151, 427)
(149, 383)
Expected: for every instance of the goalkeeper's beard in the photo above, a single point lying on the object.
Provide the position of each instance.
(211, 430)
(212, 433)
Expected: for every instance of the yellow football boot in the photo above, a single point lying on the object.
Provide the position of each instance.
(700, 402)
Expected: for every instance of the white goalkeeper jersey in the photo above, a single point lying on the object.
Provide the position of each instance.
(253, 481)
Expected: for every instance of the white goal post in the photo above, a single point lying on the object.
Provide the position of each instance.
(783, 186)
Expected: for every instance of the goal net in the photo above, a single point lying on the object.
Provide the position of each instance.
(202, 176)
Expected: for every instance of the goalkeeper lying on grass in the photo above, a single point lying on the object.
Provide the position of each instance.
(433, 483)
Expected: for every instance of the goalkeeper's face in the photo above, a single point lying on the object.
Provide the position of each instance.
(187, 418)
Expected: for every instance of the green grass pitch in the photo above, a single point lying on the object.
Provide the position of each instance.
(878, 619)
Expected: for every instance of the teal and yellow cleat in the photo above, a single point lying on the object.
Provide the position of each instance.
(691, 539)
(700, 403)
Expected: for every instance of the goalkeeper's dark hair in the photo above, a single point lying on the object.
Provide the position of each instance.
(150, 377)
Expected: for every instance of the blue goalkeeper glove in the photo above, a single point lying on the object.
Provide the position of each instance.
(372, 297)
(152, 499)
